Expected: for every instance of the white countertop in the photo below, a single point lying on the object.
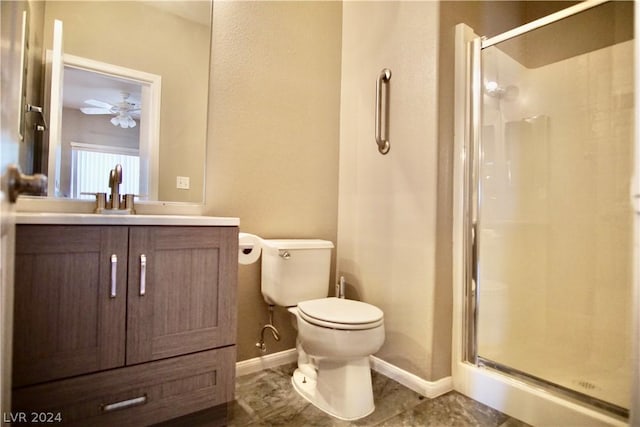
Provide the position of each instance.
(115, 219)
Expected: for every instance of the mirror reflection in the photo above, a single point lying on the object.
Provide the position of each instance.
(104, 122)
(104, 112)
(170, 39)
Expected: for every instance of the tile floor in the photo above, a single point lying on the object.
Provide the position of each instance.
(267, 398)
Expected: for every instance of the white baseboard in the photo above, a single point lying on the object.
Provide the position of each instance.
(426, 388)
(257, 364)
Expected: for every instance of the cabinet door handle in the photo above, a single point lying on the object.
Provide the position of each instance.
(114, 271)
(124, 404)
(143, 274)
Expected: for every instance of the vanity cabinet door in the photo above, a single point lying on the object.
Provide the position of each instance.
(69, 319)
(182, 284)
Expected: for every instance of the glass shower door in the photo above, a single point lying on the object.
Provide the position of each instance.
(555, 222)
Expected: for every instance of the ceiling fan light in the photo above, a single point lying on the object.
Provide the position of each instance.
(131, 122)
(123, 122)
(115, 121)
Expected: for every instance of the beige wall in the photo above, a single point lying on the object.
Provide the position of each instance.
(394, 238)
(272, 158)
(387, 204)
(149, 39)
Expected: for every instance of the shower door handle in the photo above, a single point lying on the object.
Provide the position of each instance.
(383, 142)
(474, 254)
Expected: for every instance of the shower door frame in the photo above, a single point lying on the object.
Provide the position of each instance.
(472, 199)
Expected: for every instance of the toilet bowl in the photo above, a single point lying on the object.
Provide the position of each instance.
(335, 339)
(336, 336)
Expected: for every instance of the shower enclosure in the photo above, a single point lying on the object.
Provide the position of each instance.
(547, 221)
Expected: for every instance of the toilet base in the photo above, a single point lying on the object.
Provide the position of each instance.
(342, 388)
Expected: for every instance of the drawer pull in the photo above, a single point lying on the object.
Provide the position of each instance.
(125, 404)
(143, 274)
(114, 270)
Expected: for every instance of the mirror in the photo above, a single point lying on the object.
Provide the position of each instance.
(170, 39)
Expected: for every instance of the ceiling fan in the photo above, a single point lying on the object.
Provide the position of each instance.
(122, 110)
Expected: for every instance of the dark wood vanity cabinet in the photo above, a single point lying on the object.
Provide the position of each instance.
(189, 296)
(123, 324)
(65, 322)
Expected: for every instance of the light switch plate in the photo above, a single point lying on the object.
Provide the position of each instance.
(182, 182)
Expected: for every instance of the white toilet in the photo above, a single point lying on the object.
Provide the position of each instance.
(335, 336)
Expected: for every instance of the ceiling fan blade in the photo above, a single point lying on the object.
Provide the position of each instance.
(98, 104)
(93, 110)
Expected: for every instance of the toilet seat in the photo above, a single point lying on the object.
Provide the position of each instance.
(338, 313)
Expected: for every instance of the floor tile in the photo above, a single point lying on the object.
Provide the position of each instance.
(451, 409)
(391, 398)
(267, 398)
(512, 422)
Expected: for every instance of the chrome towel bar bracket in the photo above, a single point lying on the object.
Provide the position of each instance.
(383, 142)
(38, 110)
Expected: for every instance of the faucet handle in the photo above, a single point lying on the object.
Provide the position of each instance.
(127, 202)
(101, 200)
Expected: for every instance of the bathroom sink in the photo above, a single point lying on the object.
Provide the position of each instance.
(51, 210)
(102, 219)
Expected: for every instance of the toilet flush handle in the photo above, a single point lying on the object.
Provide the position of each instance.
(284, 254)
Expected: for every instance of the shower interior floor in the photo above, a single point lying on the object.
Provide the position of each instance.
(609, 384)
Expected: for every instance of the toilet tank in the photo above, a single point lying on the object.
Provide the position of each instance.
(295, 270)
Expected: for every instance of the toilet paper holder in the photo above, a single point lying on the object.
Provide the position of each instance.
(246, 248)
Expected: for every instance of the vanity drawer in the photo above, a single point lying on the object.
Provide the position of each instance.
(136, 395)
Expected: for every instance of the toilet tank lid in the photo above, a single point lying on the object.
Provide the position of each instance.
(297, 243)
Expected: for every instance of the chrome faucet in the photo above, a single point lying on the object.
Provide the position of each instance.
(115, 179)
(116, 204)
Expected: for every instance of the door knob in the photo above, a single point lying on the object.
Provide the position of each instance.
(19, 183)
